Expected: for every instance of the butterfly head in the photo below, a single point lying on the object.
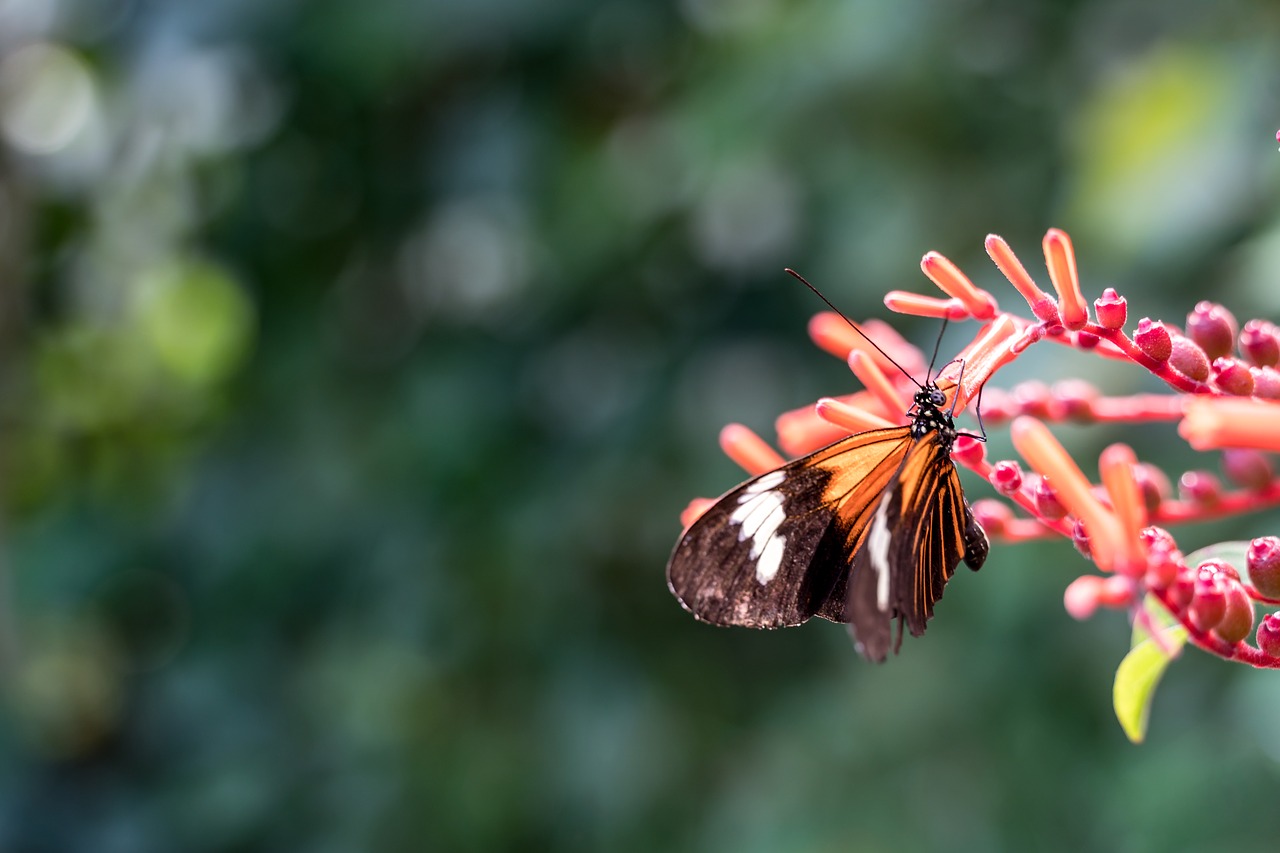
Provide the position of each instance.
(927, 415)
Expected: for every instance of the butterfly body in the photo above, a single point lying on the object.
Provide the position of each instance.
(865, 531)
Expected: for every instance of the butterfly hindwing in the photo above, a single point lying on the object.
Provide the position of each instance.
(922, 529)
(776, 550)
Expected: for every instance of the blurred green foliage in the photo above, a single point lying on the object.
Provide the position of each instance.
(358, 358)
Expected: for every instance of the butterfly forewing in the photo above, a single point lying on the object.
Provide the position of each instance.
(776, 550)
(920, 533)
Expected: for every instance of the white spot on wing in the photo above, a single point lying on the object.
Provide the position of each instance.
(759, 514)
(878, 548)
(770, 560)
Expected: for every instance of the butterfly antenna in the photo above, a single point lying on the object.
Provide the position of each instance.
(938, 345)
(855, 327)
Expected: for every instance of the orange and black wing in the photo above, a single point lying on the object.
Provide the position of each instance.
(776, 550)
(920, 532)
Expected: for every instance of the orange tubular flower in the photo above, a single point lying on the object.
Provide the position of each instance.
(1016, 273)
(1061, 260)
(870, 375)
(1117, 465)
(904, 302)
(1213, 422)
(1044, 454)
(849, 418)
(947, 276)
(749, 450)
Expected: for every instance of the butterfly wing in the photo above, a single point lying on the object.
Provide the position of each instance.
(922, 529)
(776, 550)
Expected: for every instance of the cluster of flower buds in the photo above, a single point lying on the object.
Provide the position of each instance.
(1225, 388)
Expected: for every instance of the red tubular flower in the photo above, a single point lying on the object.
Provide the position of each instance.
(951, 281)
(1043, 453)
(1225, 422)
(1060, 257)
(749, 450)
(1042, 305)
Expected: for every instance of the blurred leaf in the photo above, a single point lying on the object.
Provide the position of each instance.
(1141, 669)
(198, 320)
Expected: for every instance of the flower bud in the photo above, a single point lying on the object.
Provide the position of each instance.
(1111, 309)
(1210, 602)
(1153, 484)
(1232, 376)
(1237, 621)
(969, 450)
(1189, 359)
(1087, 340)
(1269, 635)
(1072, 398)
(1250, 469)
(1215, 566)
(1182, 591)
(1263, 563)
(1080, 538)
(1260, 343)
(1046, 500)
(1081, 597)
(1213, 328)
(1153, 339)
(993, 515)
(1033, 397)
(1006, 476)
(1266, 383)
(1200, 487)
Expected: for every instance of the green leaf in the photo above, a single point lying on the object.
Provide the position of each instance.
(1140, 671)
(1235, 553)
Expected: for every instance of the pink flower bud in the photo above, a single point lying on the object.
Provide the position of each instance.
(1269, 634)
(1189, 359)
(969, 450)
(1182, 591)
(1087, 340)
(1210, 602)
(1232, 376)
(1046, 500)
(1081, 597)
(1250, 469)
(1033, 396)
(993, 515)
(1153, 339)
(1237, 621)
(1006, 476)
(1260, 343)
(1073, 398)
(1157, 537)
(1215, 566)
(1263, 563)
(1080, 538)
(1213, 328)
(1266, 383)
(1153, 484)
(1200, 487)
(1111, 309)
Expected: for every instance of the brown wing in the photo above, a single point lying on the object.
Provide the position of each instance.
(776, 550)
(921, 531)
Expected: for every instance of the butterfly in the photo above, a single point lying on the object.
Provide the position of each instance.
(864, 531)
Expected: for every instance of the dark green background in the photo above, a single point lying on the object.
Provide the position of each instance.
(357, 359)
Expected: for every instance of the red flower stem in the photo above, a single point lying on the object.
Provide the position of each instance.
(1161, 369)
(1242, 652)
(1231, 503)
(983, 469)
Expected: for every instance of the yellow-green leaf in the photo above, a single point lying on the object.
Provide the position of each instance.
(1137, 677)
